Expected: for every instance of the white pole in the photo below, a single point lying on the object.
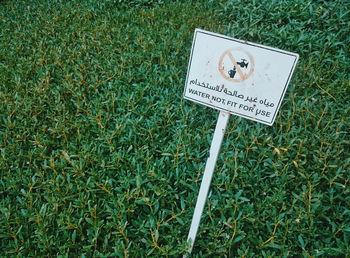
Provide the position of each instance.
(208, 174)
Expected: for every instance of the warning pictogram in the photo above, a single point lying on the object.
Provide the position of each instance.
(236, 65)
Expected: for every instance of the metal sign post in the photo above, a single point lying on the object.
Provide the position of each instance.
(208, 174)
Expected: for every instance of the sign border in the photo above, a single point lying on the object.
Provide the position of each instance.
(295, 55)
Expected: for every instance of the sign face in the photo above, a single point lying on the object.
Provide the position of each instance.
(239, 77)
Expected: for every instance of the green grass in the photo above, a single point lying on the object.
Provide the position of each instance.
(101, 156)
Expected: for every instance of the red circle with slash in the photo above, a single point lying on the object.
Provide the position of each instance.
(236, 65)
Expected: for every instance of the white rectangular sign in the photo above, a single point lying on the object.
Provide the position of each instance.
(240, 77)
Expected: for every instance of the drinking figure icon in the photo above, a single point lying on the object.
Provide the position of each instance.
(242, 64)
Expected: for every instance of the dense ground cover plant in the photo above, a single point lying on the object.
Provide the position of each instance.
(101, 156)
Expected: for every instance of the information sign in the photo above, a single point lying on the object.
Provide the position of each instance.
(238, 77)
